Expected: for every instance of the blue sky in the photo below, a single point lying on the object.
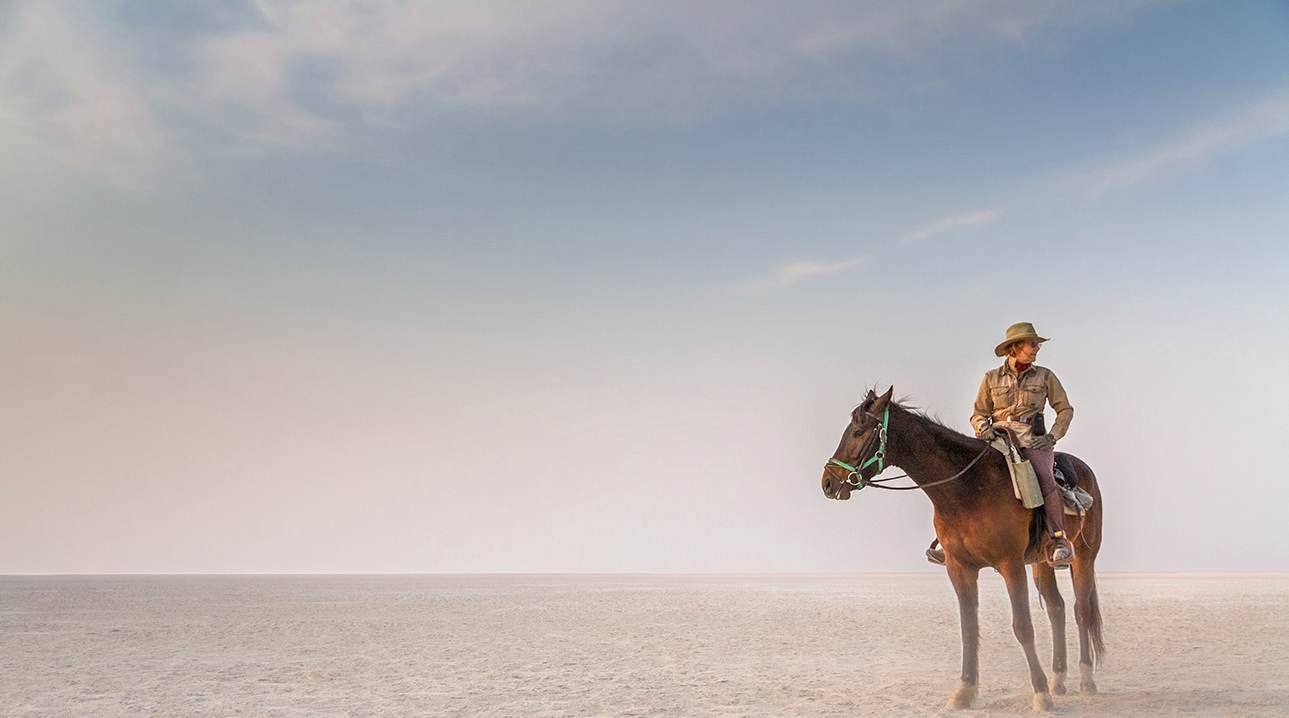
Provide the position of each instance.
(579, 286)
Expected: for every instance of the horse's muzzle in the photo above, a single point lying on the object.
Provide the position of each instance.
(835, 484)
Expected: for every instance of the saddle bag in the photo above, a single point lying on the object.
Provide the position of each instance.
(1024, 480)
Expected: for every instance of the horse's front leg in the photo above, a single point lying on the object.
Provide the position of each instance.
(1018, 590)
(965, 582)
(1045, 580)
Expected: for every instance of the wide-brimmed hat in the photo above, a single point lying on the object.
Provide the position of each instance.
(1019, 331)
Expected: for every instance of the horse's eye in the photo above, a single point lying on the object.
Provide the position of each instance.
(856, 434)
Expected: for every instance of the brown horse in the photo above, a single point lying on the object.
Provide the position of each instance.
(980, 524)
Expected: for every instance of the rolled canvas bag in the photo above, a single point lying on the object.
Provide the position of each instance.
(1025, 484)
(1024, 480)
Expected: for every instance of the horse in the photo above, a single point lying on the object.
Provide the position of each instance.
(980, 523)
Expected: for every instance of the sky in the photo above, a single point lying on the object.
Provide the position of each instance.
(571, 286)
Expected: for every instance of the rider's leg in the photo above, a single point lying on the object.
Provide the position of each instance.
(1053, 504)
(1062, 548)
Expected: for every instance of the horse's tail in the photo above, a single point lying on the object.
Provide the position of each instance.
(1094, 623)
(1090, 533)
(1087, 608)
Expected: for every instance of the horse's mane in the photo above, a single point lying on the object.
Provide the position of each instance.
(952, 433)
(905, 403)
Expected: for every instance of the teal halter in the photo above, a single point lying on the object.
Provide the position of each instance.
(878, 457)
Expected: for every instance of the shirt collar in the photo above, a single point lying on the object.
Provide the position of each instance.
(1009, 368)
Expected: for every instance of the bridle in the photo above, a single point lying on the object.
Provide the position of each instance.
(856, 478)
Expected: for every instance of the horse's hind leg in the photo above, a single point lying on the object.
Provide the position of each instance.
(1087, 613)
(965, 584)
(1045, 581)
(1023, 625)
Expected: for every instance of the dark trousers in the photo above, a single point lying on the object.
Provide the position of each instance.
(1042, 461)
(1053, 504)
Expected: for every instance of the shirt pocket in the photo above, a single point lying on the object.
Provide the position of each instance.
(1002, 396)
(1034, 397)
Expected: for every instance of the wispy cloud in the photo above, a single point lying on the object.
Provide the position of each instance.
(793, 272)
(962, 221)
(1259, 122)
(646, 60)
(789, 274)
(79, 90)
(1262, 121)
(68, 102)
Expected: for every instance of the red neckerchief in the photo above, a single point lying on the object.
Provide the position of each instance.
(1020, 368)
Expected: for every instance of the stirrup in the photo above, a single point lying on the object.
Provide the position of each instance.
(935, 555)
(1062, 551)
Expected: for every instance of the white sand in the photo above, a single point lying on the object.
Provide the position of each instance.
(613, 645)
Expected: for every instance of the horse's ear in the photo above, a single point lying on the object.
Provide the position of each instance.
(884, 400)
(871, 395)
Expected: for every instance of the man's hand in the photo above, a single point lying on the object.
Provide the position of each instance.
(1042, 443)
(988, 433)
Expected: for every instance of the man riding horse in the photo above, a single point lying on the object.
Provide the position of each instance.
(1011, 400)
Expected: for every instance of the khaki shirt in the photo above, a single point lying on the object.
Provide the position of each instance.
(1006, 399)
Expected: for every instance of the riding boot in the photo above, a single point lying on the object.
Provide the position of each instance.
(1062, 549)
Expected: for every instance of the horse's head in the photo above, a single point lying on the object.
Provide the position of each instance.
(860, 444)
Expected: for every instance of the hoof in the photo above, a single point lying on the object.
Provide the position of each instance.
(1087, 685)
(962, 697)
(1043, 702)
(1056, 684)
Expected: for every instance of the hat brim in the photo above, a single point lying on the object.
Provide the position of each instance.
(1001, 349)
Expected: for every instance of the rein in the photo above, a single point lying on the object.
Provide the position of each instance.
(857, 479)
